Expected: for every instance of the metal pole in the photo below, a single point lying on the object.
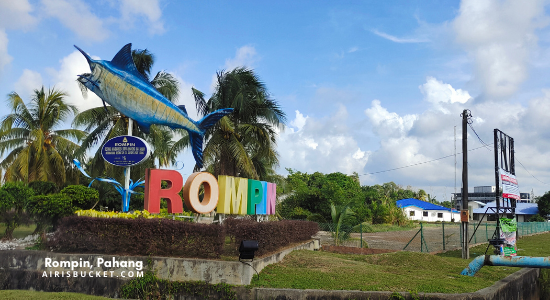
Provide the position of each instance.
(127, 169)
(455, 176)
(421, 238)
(497, 183)
(361, 226)
(464, 213)
(443, 227)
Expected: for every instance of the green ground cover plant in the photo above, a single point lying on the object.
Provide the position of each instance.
(399, 271)
(24, 295)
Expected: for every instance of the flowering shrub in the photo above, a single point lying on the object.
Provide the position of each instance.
(114, 214)
(122, 215)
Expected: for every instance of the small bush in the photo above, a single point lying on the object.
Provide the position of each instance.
(316, 218)
(13, 199)
(43, 187)
(48, 209)
(20, 192)
(299, 213)
(82, 197)
(537, 218)
(140, 236)
(151, 287)
(7, 214)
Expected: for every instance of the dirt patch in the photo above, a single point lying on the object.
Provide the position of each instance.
(355, 250)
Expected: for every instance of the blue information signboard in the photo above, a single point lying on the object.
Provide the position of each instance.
(125, 151)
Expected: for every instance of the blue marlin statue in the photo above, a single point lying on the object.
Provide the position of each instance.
(119, 83)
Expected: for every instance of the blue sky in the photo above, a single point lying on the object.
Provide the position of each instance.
(367, 86)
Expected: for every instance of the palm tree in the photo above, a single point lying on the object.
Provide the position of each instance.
(104, 124)
(37, 149)
(242, 143)
(339, 216)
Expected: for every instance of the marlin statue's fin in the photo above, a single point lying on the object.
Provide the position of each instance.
(124, 61)
(196, 139)
(182, 108)
(105, 106)
(146, 128)
(213, 118)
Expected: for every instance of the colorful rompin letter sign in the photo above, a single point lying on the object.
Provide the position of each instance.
(230, 195)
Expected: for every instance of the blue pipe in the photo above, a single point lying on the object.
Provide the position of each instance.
(510, 261)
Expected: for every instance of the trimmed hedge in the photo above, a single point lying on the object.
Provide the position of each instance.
(158, 237)
(270, 235)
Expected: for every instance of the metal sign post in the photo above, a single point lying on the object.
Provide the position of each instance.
(126, 151)
(464, 216)
(504, 163)
(127, 169)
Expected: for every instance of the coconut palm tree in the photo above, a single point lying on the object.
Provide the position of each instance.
(339, 216)
(37, 149)
(106, 123)
(242, 143)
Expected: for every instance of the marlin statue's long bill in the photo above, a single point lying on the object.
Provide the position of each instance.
(119, 83)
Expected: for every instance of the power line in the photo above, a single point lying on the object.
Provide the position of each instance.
(530, 172)
(420, 163)
(479, 138)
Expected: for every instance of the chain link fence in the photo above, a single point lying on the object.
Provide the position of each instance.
(423, 237)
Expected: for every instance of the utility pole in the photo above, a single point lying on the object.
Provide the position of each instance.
(454, 198)
(464, 215)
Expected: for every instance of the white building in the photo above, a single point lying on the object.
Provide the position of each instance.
(419, 210)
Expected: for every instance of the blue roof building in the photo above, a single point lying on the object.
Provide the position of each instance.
(419, 210)
(524, 211)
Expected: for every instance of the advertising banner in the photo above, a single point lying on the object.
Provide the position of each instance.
(510, 187)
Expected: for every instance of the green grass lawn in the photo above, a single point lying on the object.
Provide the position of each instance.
(19, 232)
(400, 271)
(24, 295)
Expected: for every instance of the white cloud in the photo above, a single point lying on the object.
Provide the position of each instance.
(246, 56)
(397, 39)
(65, 79)
(150, 9)
(5, 58)
(299, 121)
(186, 98)
(388, 124)
(16, 14)
(77, 16)
(27, 83)
(13, 15)
(500, 35)
(439, 93)
(324, 145)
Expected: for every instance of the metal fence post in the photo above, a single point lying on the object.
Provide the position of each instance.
(443, 227)
(361, 226)
(421, 238)
(486, 232)
(475, 234)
